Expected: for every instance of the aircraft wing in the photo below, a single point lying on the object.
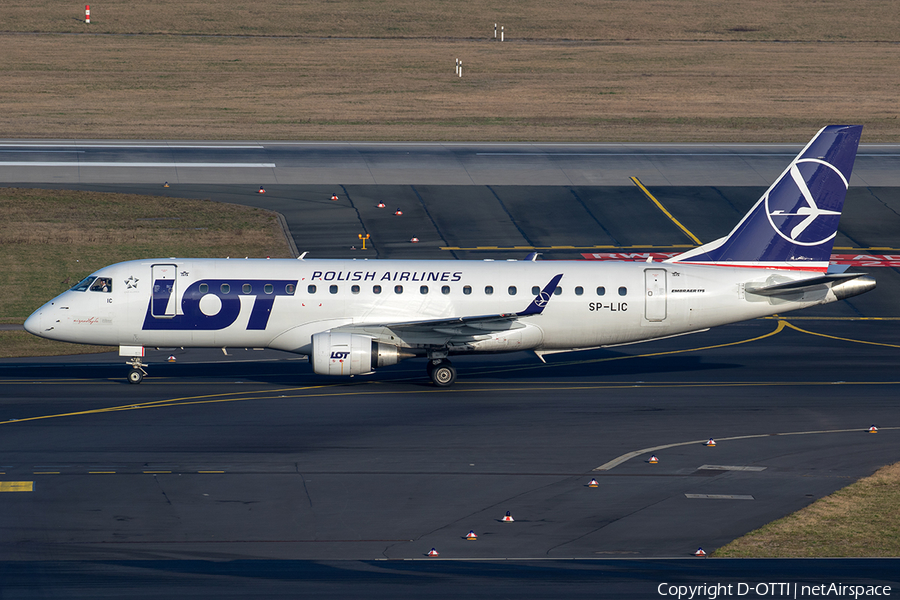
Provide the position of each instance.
(460, 326)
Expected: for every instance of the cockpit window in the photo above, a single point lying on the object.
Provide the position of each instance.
(84, 284)
(102, 284)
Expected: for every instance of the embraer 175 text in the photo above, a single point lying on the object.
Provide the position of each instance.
(354, 316)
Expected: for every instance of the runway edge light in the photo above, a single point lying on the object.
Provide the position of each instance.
(398, 212)
(873, 429)
(653, 460)
(593, 483)
(471, 536)
(711, 442)
(508, 518)
(433, 552)
(262, 190)
(414, 240)
(700, 552)
(334, 197)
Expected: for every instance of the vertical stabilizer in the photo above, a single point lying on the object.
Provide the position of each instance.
(794, 223)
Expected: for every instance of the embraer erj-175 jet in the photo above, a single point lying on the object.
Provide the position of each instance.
(354, 316)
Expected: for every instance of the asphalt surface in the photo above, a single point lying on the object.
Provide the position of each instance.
(247, 474)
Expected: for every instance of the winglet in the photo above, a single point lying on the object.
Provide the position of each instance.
(540, 301)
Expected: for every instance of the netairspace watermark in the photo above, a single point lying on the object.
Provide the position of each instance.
(712, 591)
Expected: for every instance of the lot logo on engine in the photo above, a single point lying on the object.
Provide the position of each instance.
(339, 355)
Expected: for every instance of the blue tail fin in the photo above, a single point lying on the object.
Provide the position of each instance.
(794, 223)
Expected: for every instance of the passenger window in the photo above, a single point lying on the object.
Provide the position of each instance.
(247, 288)
(398, 289)
(354, 289)
(623, 290)
(557, 291)
(579, 290)
(333, 289)
(204, 289)
(488, 289)
(311, 289)
(467, 289)
(269, 288)
(535, 290)
(289, 289)
(423, 289)
(445, 290)
(601, 291)
(102, 284)
(512, 290)
(376, 289)
(225, 288)
(83, 285)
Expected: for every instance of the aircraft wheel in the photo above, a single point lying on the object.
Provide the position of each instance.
(430, 365)
(443, 374)
(135, 376)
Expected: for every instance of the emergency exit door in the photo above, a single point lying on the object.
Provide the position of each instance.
(655, 294)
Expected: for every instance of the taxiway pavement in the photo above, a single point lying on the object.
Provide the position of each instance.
(250, 456)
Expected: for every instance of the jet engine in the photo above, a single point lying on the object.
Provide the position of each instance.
(352, 354)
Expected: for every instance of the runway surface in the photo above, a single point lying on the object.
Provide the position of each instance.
(287, 477)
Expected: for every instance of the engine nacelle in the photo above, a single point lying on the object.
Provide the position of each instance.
(351, 354)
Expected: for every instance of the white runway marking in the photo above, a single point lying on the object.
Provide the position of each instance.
(140, 165)
(729, 468)
(626, 457)
(142, 146)
(721, 496)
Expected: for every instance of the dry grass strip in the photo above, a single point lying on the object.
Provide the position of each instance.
(608, 71)
(860, 520)
(652, 20)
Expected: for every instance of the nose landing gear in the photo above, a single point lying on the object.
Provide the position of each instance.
(137, 373)
(441, 372)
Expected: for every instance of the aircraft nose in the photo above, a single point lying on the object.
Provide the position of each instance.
(35, 323)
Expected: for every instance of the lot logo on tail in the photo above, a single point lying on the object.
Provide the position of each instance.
(792, 208)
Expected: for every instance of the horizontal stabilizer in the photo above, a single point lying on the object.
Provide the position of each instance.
(806, 284)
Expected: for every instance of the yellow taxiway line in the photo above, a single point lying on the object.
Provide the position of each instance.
(659, 205)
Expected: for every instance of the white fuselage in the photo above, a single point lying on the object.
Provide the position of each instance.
(282, 303)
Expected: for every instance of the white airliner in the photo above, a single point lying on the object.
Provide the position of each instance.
(354, 316)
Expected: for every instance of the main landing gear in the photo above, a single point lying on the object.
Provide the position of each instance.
(441, 372)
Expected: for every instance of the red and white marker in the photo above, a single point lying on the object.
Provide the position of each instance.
(873, 429)
(262, 190)
(414, 240)
(653, 460)
(87, 13)
(433, 552)
(471, 536)
(593, 483)
(711, 442)
(381, 205)
(398, 212)
(334, 197)
(508, 518)
(700, 552)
